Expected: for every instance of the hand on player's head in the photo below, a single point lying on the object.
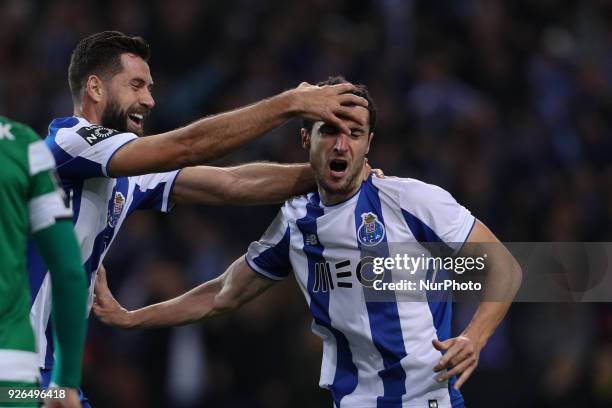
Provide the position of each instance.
(330, 103)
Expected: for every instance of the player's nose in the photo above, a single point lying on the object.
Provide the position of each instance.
(341, 145)
(147, 100)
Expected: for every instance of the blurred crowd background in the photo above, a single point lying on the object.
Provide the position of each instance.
(505, 104)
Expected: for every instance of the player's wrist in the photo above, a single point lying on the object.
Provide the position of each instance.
(477, 334)
(129, 320)
(291, 103)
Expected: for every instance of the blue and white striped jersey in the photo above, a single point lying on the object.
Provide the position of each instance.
(100, 204)
(375, 353)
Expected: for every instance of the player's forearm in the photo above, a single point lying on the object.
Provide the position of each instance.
(61, 253)
(503, 279)
(235, 287)
(193, 306)
(266, 183)
(212, 137)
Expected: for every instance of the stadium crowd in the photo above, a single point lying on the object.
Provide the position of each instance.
(504, 104)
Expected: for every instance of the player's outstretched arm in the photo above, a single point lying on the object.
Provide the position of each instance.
(236, 286)
(249, 184)
(253, 183)
(503, 279)
(58, 247)
(212, 137)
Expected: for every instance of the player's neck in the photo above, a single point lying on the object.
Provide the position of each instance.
(88, 113)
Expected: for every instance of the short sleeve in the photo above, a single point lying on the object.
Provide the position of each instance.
(45, 200)
(84, 152)
(154, 191)
(433, 215)
(270, 255)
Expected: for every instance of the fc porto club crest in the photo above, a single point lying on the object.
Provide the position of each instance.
(116, 209)
(371, 231)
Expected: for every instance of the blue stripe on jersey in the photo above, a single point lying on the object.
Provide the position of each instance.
(77, 193)
(384, 316)
(104, 238)
(49, 357)
(345, 378)
(442, 312)
(153, 198)
(276, 258)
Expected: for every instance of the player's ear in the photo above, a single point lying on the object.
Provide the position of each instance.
(95, 88)
(370, 137)
(305, 138)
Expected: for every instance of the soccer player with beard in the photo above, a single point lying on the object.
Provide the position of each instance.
(376, 352)
(108, 171)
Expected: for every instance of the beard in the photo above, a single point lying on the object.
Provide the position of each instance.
(115, 118)
(345, 187)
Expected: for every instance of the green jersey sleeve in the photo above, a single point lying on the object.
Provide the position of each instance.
(46, 202)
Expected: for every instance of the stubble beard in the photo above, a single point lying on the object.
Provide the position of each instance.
(115, 118)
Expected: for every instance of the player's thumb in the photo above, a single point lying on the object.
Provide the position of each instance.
(441, 345)
(101, 276)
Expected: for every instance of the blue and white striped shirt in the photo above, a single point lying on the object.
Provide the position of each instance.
(100, 204)
(375, 353)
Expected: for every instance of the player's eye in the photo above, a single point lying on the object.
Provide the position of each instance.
(327, 129)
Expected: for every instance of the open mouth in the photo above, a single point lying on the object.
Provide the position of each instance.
(136, 118)
(338, 167)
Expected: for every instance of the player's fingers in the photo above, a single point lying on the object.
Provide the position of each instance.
(442, 345)
(339, 123)
(456, 369)
(303, 84)
(450, 354)
(465, 353)
(464, 376)
(101, 275)
(350, 99)
(349, 113)
(342, 88)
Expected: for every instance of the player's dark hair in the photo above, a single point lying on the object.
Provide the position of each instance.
(100, 54)
(360, 90)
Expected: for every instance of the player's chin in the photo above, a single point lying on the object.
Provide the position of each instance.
(336, 185)
(135, 128)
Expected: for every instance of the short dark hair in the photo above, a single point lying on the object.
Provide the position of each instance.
(360, 90)
(100, 54)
